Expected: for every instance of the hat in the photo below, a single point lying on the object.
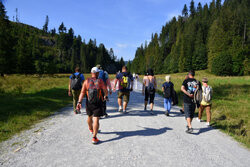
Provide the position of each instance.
(204, 80)
(98, 66)
(95, 70)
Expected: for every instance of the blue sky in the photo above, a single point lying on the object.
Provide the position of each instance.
(119, 24)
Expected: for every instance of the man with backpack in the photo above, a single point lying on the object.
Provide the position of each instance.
(94, 88)
(188, 87)
(75, 86)
(206, 102)
(125, 85)
(104, 76)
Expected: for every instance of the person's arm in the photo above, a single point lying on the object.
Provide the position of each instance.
(143, 86)
(109, 86)
(104, 88)
(155, 82)
(82, 94)
(185, 92)
(115, 84)
(69, 92)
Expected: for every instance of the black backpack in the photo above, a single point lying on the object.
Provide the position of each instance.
(151, 88)
(76, 82)
(167, 90)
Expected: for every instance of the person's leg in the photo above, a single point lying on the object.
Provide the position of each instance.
(145, 99)
(208, 112)
(95, 126)
(189, 122)
(125, 101)
(75, 100)
(90, 122)
(104, 107)
(165, 104)
(152, 97)
(187, 110)
(120, 94)
(145, 105)
(169, 104)
(200, 112)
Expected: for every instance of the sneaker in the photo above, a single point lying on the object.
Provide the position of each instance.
(91, 131)
(120, 110)
(166, 113)
(198, 120)
(145, 108)
(106, 116)
(151, 112)
(181, 111)
(125, 111)
(95, 140)
(208, 123)
(189, 130)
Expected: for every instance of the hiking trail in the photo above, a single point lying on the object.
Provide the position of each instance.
(134, 139)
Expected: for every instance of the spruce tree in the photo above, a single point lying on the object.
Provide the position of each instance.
(45, 26)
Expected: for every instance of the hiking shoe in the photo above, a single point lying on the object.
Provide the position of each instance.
(208, 123)
(95, 140)
(198, 120)
(189, 130)
(181, 111)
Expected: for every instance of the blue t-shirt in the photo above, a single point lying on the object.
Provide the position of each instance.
(81, 76)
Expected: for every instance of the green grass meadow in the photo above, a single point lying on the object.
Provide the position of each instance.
(230, 104)
(27, 99)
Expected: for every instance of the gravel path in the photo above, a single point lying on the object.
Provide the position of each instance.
(133, 139)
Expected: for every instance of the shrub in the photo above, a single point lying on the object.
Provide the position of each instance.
(222, 65)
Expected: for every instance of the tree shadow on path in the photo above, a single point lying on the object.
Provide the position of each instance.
(144, 132)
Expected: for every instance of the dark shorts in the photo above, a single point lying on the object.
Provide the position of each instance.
(150, 96)
(124, 95)
(189, 109)
(94, 110)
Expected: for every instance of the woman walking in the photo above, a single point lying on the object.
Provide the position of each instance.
(148, 89)
(168, 92)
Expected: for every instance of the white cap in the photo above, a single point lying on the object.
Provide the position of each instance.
(95, 70)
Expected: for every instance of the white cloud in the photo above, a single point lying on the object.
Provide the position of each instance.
(120, 45)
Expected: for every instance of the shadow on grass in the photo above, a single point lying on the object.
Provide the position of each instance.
(145, 132)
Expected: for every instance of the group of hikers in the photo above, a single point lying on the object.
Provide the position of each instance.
(97, 88)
